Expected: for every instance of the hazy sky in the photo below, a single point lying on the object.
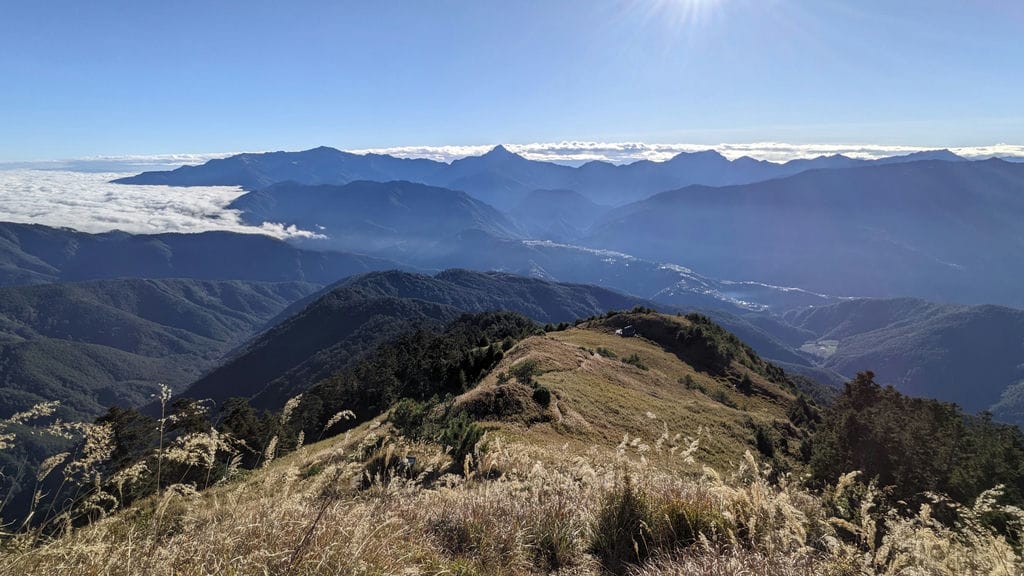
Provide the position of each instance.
(137, 77)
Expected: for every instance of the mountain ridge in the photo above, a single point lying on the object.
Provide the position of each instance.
(34, 254)
(498, 177)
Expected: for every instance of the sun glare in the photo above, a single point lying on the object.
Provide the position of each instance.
(686, 12)
(678, 18)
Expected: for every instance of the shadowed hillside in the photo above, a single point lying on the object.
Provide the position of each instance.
(362, 312)
(970, 355)
(33, 254)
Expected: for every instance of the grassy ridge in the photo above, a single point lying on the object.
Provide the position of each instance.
(599, 397)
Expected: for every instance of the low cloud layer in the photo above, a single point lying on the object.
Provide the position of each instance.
(86, 201)
(123, 163)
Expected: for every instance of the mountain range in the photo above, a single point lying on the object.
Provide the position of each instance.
(924, 349)
(500, 177)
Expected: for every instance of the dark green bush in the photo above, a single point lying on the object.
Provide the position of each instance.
(803, 413)
(312, 470)
(633, 526)
(438, 422)
(542, 396)
(461, 434)
(745, 385)
(408, 417)
(764, 440)
(554, 535)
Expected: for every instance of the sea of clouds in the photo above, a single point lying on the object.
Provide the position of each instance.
(87, 201)
(77, 193)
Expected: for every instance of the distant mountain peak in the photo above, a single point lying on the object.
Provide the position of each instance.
(500, 151)
(323, 149)
(940, 154)
(747, 161)
(702, 155)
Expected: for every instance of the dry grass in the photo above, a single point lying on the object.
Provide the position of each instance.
(522, 510)
(536, 500)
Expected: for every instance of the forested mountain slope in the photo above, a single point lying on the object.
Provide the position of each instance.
(33, 254)
(95, 344)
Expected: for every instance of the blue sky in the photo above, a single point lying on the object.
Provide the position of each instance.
(133, 77)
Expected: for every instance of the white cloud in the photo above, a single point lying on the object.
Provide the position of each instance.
(439, 153)
(122, 163)
(87, 201)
